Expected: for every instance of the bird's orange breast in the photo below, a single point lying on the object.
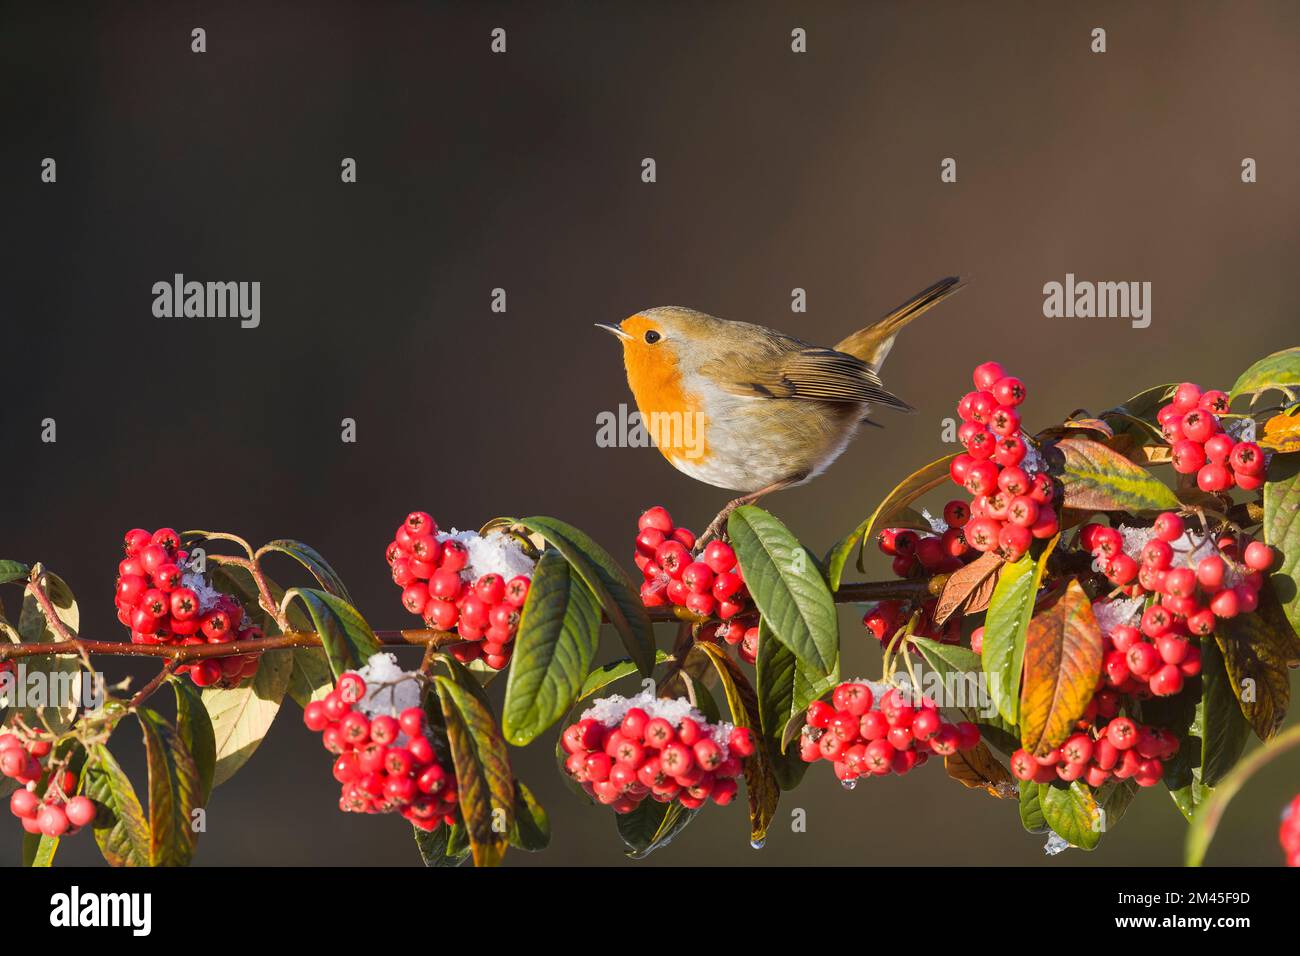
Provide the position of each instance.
(674, 416)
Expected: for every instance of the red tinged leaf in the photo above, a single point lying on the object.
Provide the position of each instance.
(1063, 651)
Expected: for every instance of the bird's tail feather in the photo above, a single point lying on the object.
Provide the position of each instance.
(873, 343)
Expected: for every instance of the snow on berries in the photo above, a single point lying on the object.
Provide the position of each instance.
(162, 602)
(56, 812)
(1011, 495)
(1187, 582)
(385, 762)
(623, 750)
(1289, 832)
(463, 581)
(1221, 456)
(870, 729)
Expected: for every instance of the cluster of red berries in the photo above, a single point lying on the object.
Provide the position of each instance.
(1200, 447)
(1121, 748)
(155, 604)
(919, 554)
(56, 814)
(641, 756)
(710, 585)
(385, 763)
(1009, 506)
(485, 612)
(1194, 591)
(1289, 832)
(863, 736)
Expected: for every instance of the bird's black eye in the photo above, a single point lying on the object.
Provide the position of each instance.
(651, 337)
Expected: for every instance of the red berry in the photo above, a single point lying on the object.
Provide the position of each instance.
(987, 374)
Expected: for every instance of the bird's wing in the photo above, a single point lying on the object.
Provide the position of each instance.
(811, 374)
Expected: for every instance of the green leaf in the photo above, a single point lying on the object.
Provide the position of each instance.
(310, 678)
(1139, 413)
(959, 668)
(434, 848)
(1114, 798)
(313, 561)
(1206, 819)
(760, 782)
(1062, 664)
(35, 629)
(559, 631)
(344, 633)
(787, 588)
(896, 502)
(1281, 370)
(173, 792)
(784, 693)
(1258, 651)
(241, 716)
(13, 571)
(120, 827)
(195, 728)
(652, 826)
(1097, 478)
(485, 785)
(1281, 529)
(1072, 813)
(39, 849)
(620, 601)
(531, 830)
(1005, 624)
(1031, 807)
(1222, 727)
(607, 674)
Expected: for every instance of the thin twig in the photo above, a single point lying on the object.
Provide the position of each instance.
(863, 591)
(167, 670)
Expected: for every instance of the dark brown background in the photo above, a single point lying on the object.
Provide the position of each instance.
(522, 171)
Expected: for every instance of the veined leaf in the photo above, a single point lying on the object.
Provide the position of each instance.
(312, 560)
(347, 638)
(760, 783)
(1072, 813)
(1063, 651)
(241, 716)
(786, 586)
(784, 693)
(173, 792)
(978, 769)
(486, 785)
(1009, 611)
(558, 633)
(59, 668)
(13, 571)
(434, 847)
(1281, 370)
(652, 826)
(1031, 807)
(912, 487)
(1258, 650)
(121, 830)
(620, 602)
(195, 728)
(531, 830)
(1097, 478)
(1281, 433)
(969, 589)
(1282, 530)
(39, 849)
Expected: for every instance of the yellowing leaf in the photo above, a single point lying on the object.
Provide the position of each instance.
(977, 768)
(1063, 650)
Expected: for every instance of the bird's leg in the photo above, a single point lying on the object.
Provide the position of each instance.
(715, 527)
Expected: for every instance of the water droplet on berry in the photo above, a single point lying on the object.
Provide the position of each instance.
(849, 784)
(758, 844)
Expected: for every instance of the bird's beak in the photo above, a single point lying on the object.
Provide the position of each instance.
(614, 330)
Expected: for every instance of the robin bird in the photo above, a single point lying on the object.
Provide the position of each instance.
(750, 409)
